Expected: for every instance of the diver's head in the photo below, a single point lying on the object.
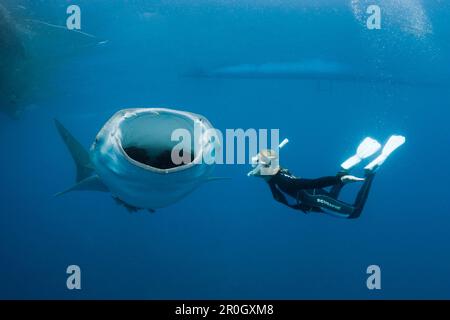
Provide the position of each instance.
(265, 164)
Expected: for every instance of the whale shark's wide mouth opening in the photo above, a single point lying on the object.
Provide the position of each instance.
(147, 139)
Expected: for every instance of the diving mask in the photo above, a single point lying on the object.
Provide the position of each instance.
(265, 163)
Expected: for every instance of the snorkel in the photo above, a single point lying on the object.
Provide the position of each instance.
(266, 162)
(283, 143)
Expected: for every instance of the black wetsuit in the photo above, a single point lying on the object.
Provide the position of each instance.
(310, 195)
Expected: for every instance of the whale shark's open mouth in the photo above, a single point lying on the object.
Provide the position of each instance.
(146, 138)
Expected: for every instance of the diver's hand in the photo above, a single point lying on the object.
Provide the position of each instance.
(349, 178)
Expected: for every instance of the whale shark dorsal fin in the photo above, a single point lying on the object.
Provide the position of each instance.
(92, 183)
(79, 154)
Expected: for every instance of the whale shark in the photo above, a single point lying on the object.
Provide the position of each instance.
(314, 69)
(31, 50)
(12, 63)
(131, 157)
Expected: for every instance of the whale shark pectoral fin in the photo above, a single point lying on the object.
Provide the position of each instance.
(92, 183)
(130, 208)
(79, 154)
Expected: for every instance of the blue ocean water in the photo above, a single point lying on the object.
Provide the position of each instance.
(230, 239)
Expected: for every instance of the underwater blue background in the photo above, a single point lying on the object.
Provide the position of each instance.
(230, 239)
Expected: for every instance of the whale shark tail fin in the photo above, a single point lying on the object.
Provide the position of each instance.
(79, 154)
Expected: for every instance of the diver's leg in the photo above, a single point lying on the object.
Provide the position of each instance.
(345, 178)
(341, 208)
(362, 196)
(337, 188)
(323, 200)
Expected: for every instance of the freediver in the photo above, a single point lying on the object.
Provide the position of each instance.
(309, 194)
